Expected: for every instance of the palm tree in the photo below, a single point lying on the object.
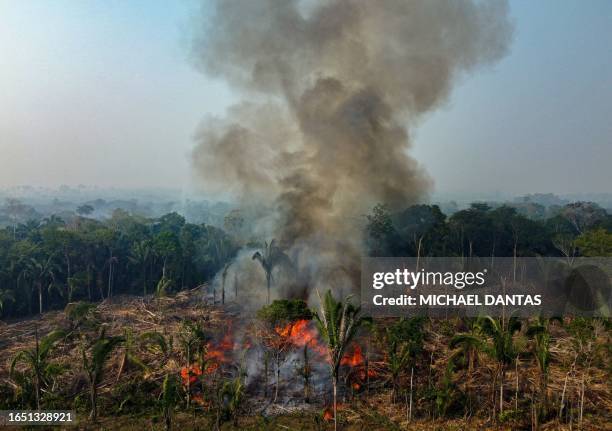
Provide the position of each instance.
(94, 362)
(270, 257)
(129, 355)
(219, 248)
(468, 344)
(20, 269)
(155, 341)
(163, 285)
(169, 398)
(25, 275)
(229, 399)
(41, 370)
(81, 314)
(403, 341)
(193, 340)
(43, 273)
(539, 332)
(338, 322)
(141, 252)
(503, 348)
(74, 284)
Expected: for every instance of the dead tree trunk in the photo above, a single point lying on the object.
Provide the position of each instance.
(410, 405)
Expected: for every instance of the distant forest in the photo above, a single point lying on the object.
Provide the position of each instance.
(47, 263)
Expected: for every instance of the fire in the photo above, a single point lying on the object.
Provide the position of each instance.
(328, 414)
(359, 372)
(190, 375)
(220, 352)
(301, 333)
(212, 367)
(199, 399)
(371, 373)
(354, 360)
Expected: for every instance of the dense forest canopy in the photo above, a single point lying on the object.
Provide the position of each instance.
(50, 263)
(45, 264)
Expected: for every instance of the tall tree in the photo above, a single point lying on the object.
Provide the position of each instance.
(270, 257)
(15, 209)
(597, 243)
(43, 272)
(381, 234)
(140, 254)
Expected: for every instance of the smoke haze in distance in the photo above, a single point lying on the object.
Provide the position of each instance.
(108, 96)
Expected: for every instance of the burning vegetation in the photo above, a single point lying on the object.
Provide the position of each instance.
(275, 340)
(185, 358)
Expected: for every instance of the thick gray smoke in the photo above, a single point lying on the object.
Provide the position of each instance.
(330, 91)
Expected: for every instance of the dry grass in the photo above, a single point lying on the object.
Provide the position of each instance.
(360, 412)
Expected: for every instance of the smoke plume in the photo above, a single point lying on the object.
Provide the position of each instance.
(330, 90)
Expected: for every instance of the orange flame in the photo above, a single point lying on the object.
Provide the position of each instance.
(301, 333)
(219, 352)
(212, 367)
(190, 375)
(360, 372)
(199, 399)
(328, 414)
(355, 359)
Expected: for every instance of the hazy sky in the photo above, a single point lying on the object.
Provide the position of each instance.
(104, 93)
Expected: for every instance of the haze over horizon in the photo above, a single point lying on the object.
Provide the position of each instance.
(106, 93)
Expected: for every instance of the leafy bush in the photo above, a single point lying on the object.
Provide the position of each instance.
(285, 310)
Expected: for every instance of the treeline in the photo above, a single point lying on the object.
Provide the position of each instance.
(47, 264)
(577, 229)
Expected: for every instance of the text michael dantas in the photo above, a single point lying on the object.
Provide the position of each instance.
(458, 280)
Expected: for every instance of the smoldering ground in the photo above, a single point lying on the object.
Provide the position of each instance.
(330, 93)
